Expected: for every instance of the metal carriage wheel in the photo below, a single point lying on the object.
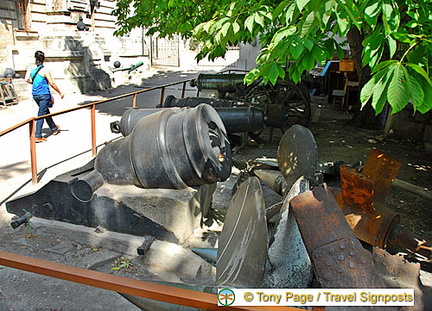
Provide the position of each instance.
(285, 103)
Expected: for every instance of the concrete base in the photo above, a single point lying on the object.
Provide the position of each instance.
(169, 262)
(178, 212)
(173, 263)
(166, 214)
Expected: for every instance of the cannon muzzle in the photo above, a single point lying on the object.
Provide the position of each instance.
(169, 149)
(23, 219)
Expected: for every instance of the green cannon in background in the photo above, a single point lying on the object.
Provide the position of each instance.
(130, 68)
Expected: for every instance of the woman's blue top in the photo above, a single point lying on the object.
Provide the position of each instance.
(40, 84)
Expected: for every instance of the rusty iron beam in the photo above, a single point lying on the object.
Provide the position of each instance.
(338, 258)
(16, 126)
(160, 292)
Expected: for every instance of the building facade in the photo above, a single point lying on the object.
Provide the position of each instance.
(76, 36)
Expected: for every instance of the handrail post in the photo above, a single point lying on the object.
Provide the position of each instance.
(33, 165)
(183, 90)
(134, 100)
(32, 122)
(162, 96)
(93, 129)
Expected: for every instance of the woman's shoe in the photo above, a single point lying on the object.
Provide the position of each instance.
(56, 131)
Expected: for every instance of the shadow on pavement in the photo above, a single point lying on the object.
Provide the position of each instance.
(148, 99)
(10, 170)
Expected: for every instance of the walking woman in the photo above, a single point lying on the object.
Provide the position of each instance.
(41, 79)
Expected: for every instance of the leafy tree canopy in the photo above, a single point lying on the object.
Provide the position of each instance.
(397, 43)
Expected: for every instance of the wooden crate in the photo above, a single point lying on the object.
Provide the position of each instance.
(346, 65)
(7, 92)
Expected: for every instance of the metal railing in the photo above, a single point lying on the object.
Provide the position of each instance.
(32, 121)
(150, 290)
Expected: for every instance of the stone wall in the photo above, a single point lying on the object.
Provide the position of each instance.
(80, 61)
(8, 21)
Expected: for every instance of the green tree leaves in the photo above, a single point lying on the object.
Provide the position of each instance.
(405, 79)
(399, 88)
(295, 35)
(398, 84)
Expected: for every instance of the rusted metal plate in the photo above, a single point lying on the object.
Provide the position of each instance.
(345, 264)
(338, 258)
(297, 153)
(357, 190)
(242, 250)
(397, 272)
(371, 221)
(382, 170)
(322, 222)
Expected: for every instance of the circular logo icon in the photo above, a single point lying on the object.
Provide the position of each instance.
(226, 297)
(248, 296)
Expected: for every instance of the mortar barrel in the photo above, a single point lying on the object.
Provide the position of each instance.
(169, 149)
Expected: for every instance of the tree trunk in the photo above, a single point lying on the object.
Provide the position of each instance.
(364, 118)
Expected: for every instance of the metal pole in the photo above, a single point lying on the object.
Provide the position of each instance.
(162, 96)
(134, 100)
(33, 165)
(151, 51)
(93, 129)
(160, 292)
(183, 90)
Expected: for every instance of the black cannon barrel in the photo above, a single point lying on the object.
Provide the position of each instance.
(84, 187)
(169, 149)
(242, 119)
(131, 116)
(172, 101)
(237, 116)
(218, 81)
(235, 119)
(23, 219)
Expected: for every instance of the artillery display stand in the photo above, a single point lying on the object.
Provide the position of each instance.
(166, 214)
(8, 94)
